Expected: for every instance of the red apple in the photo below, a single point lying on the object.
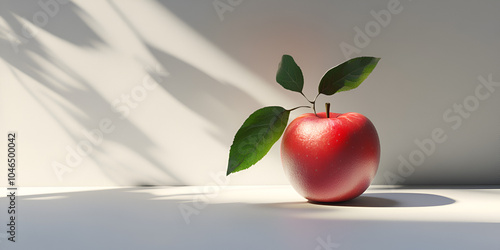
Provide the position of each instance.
(330, 159)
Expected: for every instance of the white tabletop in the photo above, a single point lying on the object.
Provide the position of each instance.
(252, 217)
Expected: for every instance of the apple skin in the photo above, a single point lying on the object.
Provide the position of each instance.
(330, 159)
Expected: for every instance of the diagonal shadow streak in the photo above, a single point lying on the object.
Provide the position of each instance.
(86, 98)
(66, 21)
(209, 98)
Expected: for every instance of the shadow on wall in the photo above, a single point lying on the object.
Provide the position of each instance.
(66, 21)
(69, 25)
(223, 105)
(217, 102)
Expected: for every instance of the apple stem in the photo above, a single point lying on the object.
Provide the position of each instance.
(327, 106)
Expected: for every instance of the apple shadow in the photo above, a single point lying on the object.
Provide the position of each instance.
(429, 186)
(392, 200)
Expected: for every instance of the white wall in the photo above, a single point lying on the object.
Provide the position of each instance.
(63, 66)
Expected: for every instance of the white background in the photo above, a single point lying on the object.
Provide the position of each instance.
(214, 70)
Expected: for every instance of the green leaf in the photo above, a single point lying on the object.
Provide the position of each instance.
(289, 74)
(256, 137)
(348, 75)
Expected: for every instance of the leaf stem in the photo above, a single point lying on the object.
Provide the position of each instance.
(306, 97)
(314, 104)
(299, 107)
